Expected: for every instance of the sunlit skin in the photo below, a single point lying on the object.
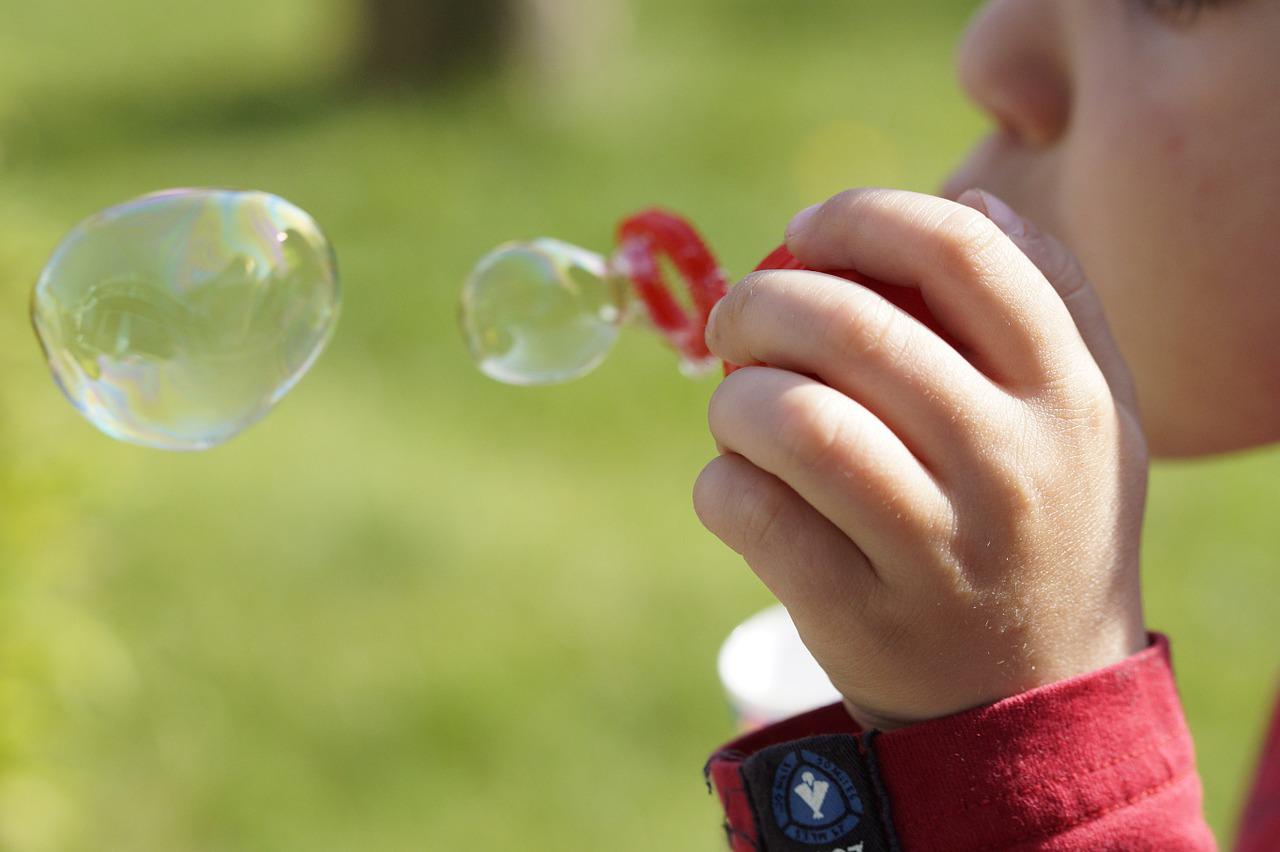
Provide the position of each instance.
(1149, 142)
(950, 525)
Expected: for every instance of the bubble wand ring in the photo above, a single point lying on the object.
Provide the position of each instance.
(640, 240)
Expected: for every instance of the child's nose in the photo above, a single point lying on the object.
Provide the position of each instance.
(1013, 63)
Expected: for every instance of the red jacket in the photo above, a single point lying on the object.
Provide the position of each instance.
(1103, 761)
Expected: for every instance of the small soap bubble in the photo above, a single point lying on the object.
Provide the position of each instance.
(179, 319)
(541, 312)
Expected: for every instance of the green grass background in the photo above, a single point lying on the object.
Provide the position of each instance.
(414, 609)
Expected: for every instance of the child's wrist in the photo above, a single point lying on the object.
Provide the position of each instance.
(946, 703)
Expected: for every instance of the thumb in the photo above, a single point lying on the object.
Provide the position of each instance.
(1056, 262)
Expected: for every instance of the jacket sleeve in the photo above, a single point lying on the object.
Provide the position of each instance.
(1260, 822)
(1103, 761)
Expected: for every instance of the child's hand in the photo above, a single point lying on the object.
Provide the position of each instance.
(947, 526)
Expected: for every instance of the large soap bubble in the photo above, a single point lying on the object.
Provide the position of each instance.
(178, 319)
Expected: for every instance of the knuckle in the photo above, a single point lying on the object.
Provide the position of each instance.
(846, 206)
(811, 433)
(1014, 464)
(869, 329)
(748, 515)
(737, 311)
(761, 517)
(966, 242)
(1019, 489)
(1079, 405)
(937, 524)
(843, 202)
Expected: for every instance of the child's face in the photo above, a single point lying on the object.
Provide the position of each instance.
(1148, 139)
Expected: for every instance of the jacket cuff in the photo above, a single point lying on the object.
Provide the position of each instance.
(1099, 761)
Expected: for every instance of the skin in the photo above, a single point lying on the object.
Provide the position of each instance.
(953, 523)
(1147, 142)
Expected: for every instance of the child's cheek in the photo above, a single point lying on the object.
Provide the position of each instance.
(1168, 197)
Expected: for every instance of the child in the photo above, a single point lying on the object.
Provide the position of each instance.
(953, 520)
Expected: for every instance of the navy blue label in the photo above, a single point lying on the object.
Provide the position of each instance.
(815, 795)
(814, 801)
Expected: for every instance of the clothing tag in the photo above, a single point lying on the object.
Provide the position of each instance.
(814, 795)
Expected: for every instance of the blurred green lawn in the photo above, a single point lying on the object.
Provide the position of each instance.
(414, 609)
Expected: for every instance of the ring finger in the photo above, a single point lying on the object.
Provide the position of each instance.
(836, 455)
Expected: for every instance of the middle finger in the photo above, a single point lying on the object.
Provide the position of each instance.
(853, 339)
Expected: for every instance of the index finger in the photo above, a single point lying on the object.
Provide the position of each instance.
(988, 295)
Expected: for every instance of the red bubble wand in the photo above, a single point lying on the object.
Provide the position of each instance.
(544, 311)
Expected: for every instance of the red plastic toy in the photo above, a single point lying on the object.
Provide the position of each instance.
(646, 235)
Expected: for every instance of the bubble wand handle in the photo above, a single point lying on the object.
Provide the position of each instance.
(642, 239)
(909, 299)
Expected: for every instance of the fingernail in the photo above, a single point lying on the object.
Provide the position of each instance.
(1003, 215)
(800, 221)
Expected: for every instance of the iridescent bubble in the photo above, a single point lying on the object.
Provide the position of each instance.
(178, 319)
(541, 312)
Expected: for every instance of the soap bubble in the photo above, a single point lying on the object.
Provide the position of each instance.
(541, 312)
(178, 319)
